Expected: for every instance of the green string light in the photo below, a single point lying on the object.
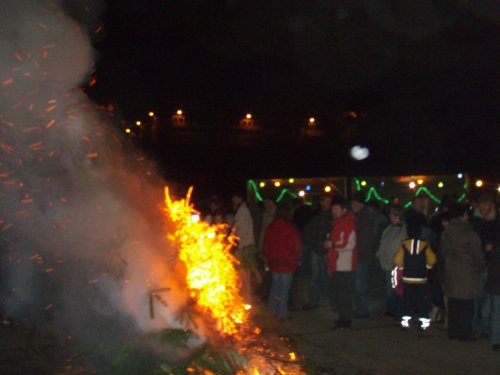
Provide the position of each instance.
(252, 184)
(358, 186)
(371, 192)
(426, 191)
(374, 192)
(283, 192)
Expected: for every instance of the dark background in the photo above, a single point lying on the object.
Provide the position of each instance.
(420, 77)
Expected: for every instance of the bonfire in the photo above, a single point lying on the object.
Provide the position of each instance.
(214, 292)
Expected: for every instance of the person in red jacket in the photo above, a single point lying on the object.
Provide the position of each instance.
(282, 253)
(342, 253)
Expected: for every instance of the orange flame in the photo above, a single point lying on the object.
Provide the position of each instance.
(210, 274)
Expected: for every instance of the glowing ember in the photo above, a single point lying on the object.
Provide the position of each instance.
(210, 274)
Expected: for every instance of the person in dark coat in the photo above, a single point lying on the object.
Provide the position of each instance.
(486, 223)
(366, 233)
(464, 267)
(493, 291)
(314, 234)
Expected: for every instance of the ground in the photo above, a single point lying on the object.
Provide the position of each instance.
(378, 346)
(375, 346)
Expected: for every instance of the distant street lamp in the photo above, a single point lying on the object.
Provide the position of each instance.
(154, 127)
(247, 123)
(179, 119)
(311, 128)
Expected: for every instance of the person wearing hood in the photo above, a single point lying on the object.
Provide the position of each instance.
(281, 250)
(342, 255)
(415, 257)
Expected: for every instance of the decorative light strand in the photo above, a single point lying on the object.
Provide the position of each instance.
(372, 192)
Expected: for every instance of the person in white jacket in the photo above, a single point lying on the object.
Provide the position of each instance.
(246, 252)
(390, 242)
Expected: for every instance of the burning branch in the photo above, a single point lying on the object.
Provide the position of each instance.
(210, 274)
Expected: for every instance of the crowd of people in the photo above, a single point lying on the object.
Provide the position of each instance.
(439, 267)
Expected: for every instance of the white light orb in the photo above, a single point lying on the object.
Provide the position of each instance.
(359, 152)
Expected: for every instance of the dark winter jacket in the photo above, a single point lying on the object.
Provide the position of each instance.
(465, 263)
(365, 235)
(316, 231)
(487, 229)
(415, 257)
(493, 266)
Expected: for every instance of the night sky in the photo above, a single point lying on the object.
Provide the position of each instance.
(421, 77)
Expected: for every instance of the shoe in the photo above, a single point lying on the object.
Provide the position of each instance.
(310, 306)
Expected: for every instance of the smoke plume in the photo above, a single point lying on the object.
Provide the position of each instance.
(82, 236)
